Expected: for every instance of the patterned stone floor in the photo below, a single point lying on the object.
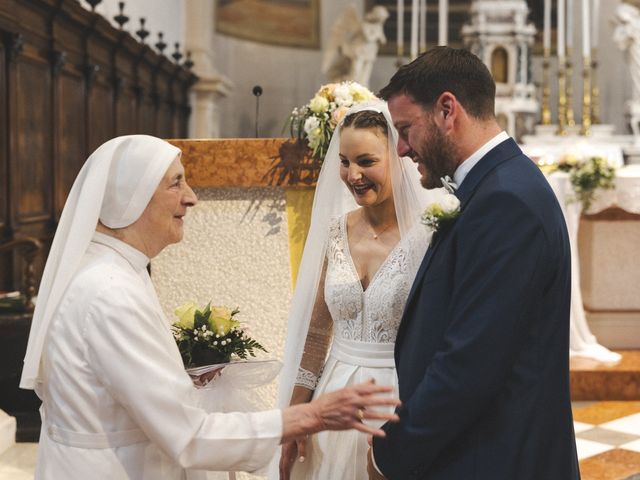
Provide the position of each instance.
(608, 439)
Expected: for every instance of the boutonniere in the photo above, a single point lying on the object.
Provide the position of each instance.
(441, 212)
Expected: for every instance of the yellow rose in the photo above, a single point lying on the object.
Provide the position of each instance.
(221, 321)
(186, 314)
(318, 104)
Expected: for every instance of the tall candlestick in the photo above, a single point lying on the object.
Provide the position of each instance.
(546, 34)
(423, 25)
(400, 30)
(443, 22)
(586, 99)
(586, 33)
(561, 25)
(414, 28)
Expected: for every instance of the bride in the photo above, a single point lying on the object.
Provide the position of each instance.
(364, 247)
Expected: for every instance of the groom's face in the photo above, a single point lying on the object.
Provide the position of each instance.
(421, 139)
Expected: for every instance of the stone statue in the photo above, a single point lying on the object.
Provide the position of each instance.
(353, 45)
(627, 37)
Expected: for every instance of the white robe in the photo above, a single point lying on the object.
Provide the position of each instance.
(117, 403)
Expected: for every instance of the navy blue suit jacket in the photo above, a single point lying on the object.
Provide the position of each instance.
(482, 352)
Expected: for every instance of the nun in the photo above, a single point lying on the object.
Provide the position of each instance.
(116, 401)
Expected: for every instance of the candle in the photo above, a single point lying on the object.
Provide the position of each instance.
(443, 22)
(586, 29)
(561, 48)
(423, 25)
(569, 16)
(595, 23)
(546, 34)
(414, 28)
(400, 32)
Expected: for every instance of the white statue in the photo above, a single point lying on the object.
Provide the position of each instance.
(627, 37)
(353, 45)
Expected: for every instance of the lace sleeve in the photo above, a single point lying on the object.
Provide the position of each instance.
(317, 342)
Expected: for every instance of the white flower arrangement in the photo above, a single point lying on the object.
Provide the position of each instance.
(316, 121)
(441, 212)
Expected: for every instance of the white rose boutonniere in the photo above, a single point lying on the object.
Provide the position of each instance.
(441, 212)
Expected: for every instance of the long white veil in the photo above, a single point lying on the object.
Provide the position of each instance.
(333, 199)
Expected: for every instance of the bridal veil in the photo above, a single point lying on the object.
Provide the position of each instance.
(333, 199)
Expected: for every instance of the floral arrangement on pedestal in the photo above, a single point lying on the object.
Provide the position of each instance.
(587, 175)
(316, 121)
(211, 335)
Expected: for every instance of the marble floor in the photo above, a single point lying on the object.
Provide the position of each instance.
(607, 431)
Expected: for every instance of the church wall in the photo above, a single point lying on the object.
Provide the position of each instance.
(288, 76)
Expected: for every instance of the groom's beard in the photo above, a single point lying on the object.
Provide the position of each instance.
(438, 158)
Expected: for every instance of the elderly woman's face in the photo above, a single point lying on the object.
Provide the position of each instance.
(161, 223)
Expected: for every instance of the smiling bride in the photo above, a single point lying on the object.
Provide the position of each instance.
(363, 250)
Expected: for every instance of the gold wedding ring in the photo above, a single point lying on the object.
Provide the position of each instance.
(360, 414)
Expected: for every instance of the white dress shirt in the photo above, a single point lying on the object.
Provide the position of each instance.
(465, 167)
(117, 403)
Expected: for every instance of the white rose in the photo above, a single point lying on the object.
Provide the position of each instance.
(343, 95)
(311, 124)
(450, 203)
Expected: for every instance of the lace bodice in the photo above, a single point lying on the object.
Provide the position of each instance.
(351, 313)
(372, 315)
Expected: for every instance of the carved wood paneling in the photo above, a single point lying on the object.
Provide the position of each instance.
(68, 82)
(31, 166)
(5, 261)
(4, 172)
(100, 113)
(70, 135)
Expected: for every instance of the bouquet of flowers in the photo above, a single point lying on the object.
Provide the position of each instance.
(211, 335)
(316, 121)
(587, 175)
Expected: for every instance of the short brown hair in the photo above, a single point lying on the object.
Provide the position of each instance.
(446, 69)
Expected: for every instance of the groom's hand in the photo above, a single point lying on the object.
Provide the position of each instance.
(372, 471)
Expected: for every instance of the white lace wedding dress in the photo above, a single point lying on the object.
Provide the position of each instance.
(365, 323)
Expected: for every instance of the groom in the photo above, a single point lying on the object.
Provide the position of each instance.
(483, 348)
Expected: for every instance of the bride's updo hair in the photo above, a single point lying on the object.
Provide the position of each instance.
(366, 119)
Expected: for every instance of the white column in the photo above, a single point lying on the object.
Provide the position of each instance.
(443, 22)
(211, 86)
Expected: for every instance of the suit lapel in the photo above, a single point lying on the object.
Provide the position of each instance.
(499, 154)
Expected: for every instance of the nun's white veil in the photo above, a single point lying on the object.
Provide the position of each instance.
(114, 186)
(333, 199)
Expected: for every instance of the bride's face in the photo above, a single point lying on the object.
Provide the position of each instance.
(364, 159)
